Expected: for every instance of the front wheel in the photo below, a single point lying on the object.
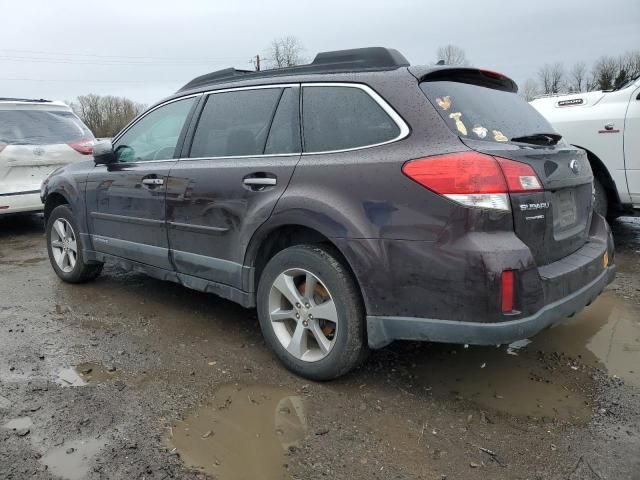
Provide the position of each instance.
(600, 204)
(311, 312)
(65, 252)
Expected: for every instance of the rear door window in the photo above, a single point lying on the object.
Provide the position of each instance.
(41, 127)
(483, 113)
(235, 123)
(341, 117)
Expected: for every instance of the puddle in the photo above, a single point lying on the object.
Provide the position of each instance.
(18, 423)
(83, 374)
(245, 434)
(72, 460)
(605, 334)
(494, 380)
(515, 381)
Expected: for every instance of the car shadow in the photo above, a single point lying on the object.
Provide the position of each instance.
(15, 224)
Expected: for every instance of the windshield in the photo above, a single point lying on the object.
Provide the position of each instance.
(482, 113)
(41, 127)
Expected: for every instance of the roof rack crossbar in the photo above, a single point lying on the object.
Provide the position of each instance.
(339, 61)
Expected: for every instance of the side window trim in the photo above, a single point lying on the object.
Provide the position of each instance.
(273, 115)
(388, 109)
(191, 130)
(186, 150)
(140, 117)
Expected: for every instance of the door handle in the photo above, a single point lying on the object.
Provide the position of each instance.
(153, 181)
(259, 182)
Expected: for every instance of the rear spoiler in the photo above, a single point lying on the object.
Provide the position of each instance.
(472, 76)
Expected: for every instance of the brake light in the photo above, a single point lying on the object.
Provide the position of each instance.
(492, 74)
(84, 146)
(507, 291)
(473, 179)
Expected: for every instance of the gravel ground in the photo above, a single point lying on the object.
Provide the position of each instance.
(128, 377)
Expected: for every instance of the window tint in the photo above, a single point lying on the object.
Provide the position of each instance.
(41, 127)
(284, 136)
(155, 136)
(482, 113)
(235, 123)
(336, 118)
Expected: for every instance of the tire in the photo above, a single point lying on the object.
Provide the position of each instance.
(600, 204)
(333, 295)
(68, 265)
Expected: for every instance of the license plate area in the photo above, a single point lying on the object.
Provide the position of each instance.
(565, 213)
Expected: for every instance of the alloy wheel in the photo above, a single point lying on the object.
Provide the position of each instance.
(64, 245)
(303, 315)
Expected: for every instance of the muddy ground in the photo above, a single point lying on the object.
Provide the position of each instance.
(130, 378)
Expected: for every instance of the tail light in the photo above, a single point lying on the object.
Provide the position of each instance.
(473, 179)
(84, 146)
(508, 291)
(2, 147)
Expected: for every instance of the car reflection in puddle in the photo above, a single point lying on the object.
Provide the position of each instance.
(525, 378)
(606, 334)
(246, 433)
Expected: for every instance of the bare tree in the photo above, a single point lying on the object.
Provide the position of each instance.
(285, 52)
(106, 115)
(530, 89)
(551, 77)
(628, 68)
(452, 55)
(604, 73)
(578, 77)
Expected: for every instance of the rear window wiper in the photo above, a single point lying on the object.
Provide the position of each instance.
(539, 138)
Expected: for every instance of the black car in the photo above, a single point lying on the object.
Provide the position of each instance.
(353, 201)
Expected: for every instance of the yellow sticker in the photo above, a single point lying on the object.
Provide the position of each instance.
(605, 259)
(480, 131)
(444, 102)
(459, 125)
(499, 137)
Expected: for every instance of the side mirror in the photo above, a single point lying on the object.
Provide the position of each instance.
(103, 153)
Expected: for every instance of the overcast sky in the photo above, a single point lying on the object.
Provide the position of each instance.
(147, 49)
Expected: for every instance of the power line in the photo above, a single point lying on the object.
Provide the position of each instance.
(88, 81)
(9, 58)
(95, 55)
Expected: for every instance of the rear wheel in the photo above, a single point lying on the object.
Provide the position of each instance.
(65, 252)
(311, 313)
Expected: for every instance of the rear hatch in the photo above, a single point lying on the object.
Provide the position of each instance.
(484, 110)
(34, 140)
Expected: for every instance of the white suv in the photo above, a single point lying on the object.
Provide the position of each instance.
(607, 125)
(36, 137)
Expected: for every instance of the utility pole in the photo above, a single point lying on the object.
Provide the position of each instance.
(256, 63)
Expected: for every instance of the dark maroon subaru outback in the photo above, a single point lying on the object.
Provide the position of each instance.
(353, 201)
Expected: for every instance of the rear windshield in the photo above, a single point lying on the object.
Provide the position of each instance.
(41, 127)
(483, 113)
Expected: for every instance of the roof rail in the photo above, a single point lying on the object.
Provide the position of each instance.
(9, 99)
(338, 61)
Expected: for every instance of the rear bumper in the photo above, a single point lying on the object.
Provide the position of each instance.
(20, 202)
(383, 330)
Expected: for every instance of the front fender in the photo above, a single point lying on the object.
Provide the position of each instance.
(68, 182)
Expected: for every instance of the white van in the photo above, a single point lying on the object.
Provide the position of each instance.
(36, 137)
